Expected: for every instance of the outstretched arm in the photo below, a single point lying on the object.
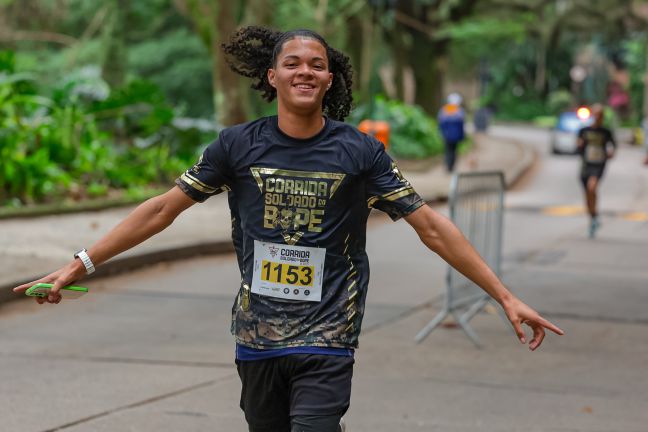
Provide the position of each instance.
(440, 235)
(148, 219)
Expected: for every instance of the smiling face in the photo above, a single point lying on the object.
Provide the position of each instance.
(301, 76)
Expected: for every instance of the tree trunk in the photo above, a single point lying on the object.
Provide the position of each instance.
(399, 55)
(367, 53)
(645, 91)
(540, 83)
(115, 44)
(320, 13)
(355, 49)
(258, 12)
(428, 60)
(230, 100)
(215, 21)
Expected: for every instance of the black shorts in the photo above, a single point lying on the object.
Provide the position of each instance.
(276, 389)
(591, 170)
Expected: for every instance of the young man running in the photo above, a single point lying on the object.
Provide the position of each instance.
(301, 187)
(596, 145)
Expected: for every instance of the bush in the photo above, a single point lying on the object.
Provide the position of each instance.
(559, 101)
(518, 105)
(82, 139)
(413, 134)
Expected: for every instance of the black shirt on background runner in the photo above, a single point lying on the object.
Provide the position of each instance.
(596, 141)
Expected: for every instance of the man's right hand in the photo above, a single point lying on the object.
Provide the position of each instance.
(59, 279)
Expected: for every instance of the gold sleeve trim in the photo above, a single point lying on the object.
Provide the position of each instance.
(392, 196)
(398, 193)
(200, 186)
(371, 201)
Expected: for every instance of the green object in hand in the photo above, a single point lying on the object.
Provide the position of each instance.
(68, 292)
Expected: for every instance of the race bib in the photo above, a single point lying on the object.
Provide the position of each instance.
(288, 272)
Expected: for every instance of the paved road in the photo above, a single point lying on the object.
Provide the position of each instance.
(151, 350)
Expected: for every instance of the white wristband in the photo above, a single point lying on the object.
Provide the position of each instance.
(85, 259)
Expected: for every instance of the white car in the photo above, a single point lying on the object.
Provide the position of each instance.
(564, 135)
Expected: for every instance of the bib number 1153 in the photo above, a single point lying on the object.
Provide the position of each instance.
(279, 273)
(287, 271)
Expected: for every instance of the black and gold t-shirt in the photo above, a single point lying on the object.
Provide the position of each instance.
(300, 209)
(595, 144)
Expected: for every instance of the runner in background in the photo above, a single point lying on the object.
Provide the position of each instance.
(596, 145)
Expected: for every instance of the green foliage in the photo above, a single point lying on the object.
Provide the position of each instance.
(511, 88)
(520, 106)
(80, 139)
(159, 42)
(7, 61)
(179, 64)
(560, 60)
(545, 121)
(413, 134)
(559, 101)
(635, 57)
(331, 22)
(27, 171)
(610, 118)
(485, 30)
(479, 39)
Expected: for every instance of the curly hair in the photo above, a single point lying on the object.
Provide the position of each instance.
(252, 50)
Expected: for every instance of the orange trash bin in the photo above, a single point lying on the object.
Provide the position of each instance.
(376, 128)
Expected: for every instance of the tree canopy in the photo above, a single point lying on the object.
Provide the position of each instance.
(147, 83)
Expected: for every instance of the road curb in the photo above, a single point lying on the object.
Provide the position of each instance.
(526, 162)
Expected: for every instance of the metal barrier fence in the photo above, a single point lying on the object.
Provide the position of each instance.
(476, 202)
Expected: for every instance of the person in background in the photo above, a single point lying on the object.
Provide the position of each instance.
(482, 118)
(451, 124)
(596, 145)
